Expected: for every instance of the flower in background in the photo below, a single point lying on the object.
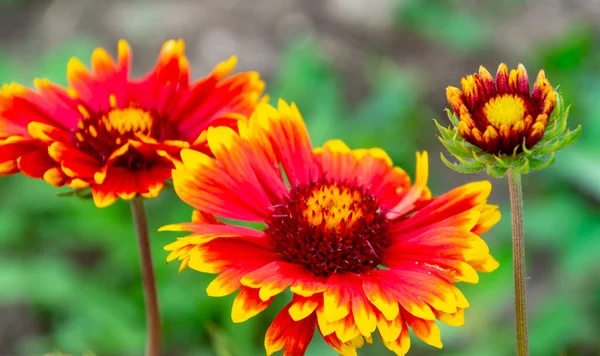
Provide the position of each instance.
(361, 248)
(116, 135)
(498, 125)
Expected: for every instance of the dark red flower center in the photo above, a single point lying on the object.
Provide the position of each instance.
(99, 134)
(330, 228)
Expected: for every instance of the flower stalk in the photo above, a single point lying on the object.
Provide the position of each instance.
(518, 244)
(151, 300)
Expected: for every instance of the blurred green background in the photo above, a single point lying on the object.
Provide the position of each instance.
(372, 73)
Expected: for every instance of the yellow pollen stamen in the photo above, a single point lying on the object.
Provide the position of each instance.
(80, 137)
(128, 120)
(83, 111)
(330, 205)
(93, 131)
(118, 141)
(80, 125)
(506, 109)
(113, 100)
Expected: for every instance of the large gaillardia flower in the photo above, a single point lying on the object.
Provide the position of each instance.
(498, 125)
(361, 248)
(117, 135)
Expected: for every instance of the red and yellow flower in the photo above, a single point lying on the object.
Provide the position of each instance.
(116, 135)
(361, 248)
(503, 116)
(499, 125)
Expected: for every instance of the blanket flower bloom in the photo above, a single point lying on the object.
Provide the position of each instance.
(501, 124)
(116, 135)
(361, 248)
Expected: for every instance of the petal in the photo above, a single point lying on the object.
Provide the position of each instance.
(337, 160)
(487, 81)
(489, 216)
(302, 307)
(48, 133)
(55, 177)
(363, 312)
(264, 161)
(448, 206)
(522, 81)
(206, 185)
(502, 79)
(226, 282)
(390, 330)
(272, 279)
(20, 106)
(220, 254)
(418, 292)
(325, 326)
(453, 319)
(288, 136)
(336, 299)
(381, 298)
(161, 88)
(247, 304)
(400, 345)
(9, 167)
(344, 348)
(14, 147)
(75, 163)
(346, 329)
(455, 99)
(309, 285)
(36, 163)
(214, 98)
(416, 193)
(126, 183)
(426, 330)
(292, 336)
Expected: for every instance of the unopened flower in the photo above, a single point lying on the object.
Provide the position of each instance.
(362, 249)
(116, 135)
(499, 125)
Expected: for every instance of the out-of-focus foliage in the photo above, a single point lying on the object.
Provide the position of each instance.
(71, 270)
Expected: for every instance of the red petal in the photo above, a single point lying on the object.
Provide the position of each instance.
(292, 336)
(210, 186)
(35, 164)
(247, 304)
(447, 206)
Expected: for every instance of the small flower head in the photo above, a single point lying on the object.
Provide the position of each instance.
(498, 125)
(362, 248)
(115, 135)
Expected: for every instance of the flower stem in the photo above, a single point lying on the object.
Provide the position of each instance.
(152, 313)
(518, 242)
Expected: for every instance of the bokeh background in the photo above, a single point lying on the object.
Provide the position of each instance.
(370, 72)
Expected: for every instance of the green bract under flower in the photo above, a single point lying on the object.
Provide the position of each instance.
(473, 159)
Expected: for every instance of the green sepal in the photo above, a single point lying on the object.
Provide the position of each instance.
(496, 171)
(462, 168)
(84, 193)
(542, 163)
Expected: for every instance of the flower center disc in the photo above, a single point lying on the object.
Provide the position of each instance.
(329, 228)
(506, 109)
(129, 120)
(99, 134)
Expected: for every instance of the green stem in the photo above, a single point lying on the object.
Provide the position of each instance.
(152, 312)
(518, 242)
